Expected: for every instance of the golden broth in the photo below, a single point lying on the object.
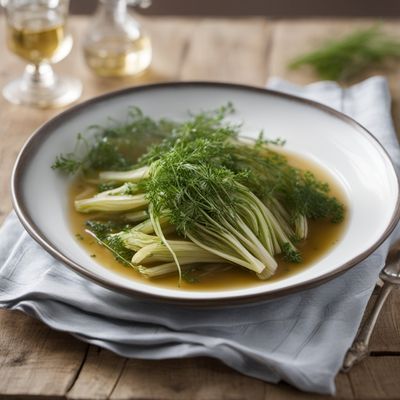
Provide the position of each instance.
(322, 236)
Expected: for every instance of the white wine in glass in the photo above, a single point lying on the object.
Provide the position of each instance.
(37, 32)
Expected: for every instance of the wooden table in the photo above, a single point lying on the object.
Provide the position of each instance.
(37, 361)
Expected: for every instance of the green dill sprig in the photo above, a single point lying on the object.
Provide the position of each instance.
(66, 163)
(205, 125)
(102, 229)
(344, 59)
(104, 233)
(115, 146)
(298, 191)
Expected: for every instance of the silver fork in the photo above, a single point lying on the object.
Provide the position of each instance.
(390, 275)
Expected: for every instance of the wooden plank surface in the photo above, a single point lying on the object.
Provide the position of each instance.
(36, 361)
(98, 376)
(228, 50)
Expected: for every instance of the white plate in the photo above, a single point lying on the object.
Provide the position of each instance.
(346, 149)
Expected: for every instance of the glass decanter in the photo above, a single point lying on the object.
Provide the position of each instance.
(114, 44)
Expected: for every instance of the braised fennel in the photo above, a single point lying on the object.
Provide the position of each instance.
(198, 195)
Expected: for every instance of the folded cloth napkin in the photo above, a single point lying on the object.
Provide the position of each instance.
(301, 338)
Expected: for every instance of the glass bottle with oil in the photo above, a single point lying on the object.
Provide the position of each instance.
(115, 44)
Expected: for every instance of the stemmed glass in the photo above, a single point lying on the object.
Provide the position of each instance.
(37, 32)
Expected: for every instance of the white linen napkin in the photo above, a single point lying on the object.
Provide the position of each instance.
(301, 338)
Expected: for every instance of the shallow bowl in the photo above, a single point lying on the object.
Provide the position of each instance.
(334, 141)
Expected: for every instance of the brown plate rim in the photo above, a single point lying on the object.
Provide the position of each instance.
(41, 133)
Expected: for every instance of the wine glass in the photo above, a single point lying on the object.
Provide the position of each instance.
(37, 32)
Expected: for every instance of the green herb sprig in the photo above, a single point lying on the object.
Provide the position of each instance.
(344, 59)
(111, 147)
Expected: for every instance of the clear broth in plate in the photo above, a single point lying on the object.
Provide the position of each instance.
(323, 235)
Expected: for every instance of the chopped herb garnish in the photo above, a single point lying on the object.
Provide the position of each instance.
(79, 236)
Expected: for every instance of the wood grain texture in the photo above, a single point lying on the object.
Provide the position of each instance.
(181, 379)
(228, 50)
(37, 361)
(98, 376)
(386, 336)
(286, 392)
(34, 359)
(376, 378)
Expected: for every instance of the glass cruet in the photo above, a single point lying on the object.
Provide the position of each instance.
(114, 44)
